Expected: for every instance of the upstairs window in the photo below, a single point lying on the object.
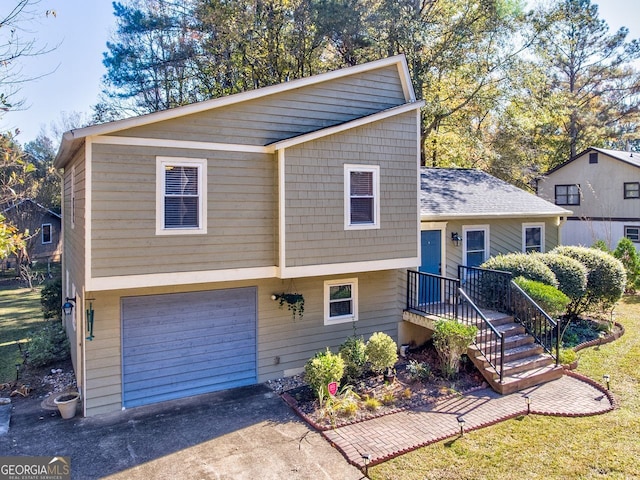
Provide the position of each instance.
(340, 301)
(532, 237)
(593, 157)
(181, 196)
(46, 233)
(362, 193)
(632, 190)
(567, 194)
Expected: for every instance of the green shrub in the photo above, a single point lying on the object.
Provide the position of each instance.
(626, 252)
(549, 298)
(321, 369)
(606, 278)
(567, 356)
(451, 339)
(601, 245)
(354, 353)
(570, 273)
(418, 371)
(382, 352)
(522, 265)
(51, 299)
(48, 344)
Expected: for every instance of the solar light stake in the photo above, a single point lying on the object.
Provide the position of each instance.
(461, 423)
(527, 399)
(366, 457)
(607, 379)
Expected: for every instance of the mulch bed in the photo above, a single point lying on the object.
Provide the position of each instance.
(402, 393)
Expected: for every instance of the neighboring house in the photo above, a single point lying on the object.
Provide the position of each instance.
(467, 216)
(181, 225)
(602, 188)
(41, 226)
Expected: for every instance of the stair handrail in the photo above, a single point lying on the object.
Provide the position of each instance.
(423, 285)
(535, 321)
(489, 341)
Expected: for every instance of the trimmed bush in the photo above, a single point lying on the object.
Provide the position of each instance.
(354, 353)
(48, 344)
(522, 265)
(570, 273)
(382, 352)
(548, 297)
(451, 339)
(606, 278)
(321, 369)
(51, 299)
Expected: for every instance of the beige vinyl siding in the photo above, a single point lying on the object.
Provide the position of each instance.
(314, 189)
(601, 185)
(241, 213)
(505, 236)
(286, 114)
(284, 345)
(74, 255)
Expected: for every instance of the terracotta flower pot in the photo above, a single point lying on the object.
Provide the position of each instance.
(67, 404)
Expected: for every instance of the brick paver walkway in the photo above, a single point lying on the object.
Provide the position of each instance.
(391, 435)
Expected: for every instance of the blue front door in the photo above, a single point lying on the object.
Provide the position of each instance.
(429, 288)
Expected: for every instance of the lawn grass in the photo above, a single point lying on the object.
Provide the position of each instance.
(20, 314)
(536, 447)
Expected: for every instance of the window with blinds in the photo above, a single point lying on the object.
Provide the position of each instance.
(181, 191)
(181, 194)
(361, 196)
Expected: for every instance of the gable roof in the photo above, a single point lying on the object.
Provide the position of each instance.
(34, 204)
(471, 193)
(73, 139)
(622, 155)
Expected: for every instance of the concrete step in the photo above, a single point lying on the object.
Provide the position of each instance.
(512, 367)
(510, 329)
(518, 352)
(501, 319)
(529, 378)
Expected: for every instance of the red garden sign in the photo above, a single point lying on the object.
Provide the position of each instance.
(333, 388)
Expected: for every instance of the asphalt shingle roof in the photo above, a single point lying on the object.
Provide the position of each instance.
(455, 192)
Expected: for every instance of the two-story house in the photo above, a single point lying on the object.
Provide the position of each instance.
(182, 226)
(602, 188)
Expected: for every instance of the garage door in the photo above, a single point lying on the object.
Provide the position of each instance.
(183, 344)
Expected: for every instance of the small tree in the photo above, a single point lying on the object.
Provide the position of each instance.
(626, 252)
(451, 339)
(382, 352)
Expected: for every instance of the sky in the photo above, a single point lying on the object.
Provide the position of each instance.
(67, 79)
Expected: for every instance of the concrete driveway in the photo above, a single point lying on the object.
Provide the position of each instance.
(245, 433)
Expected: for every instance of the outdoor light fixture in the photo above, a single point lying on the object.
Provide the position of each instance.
(461, 423)
(527, 399)
(366, 458)
(607, 379)
(456, 239)
(68, 305)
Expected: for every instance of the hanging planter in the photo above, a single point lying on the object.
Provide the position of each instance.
(293, 301)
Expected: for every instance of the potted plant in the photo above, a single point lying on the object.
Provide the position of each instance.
(294, 302)
(67, 404)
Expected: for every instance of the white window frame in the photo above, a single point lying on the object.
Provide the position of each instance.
(201, 165)
(375, 170)
(524, 235)
(50, 233)
(353, 317)
(473, 228)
